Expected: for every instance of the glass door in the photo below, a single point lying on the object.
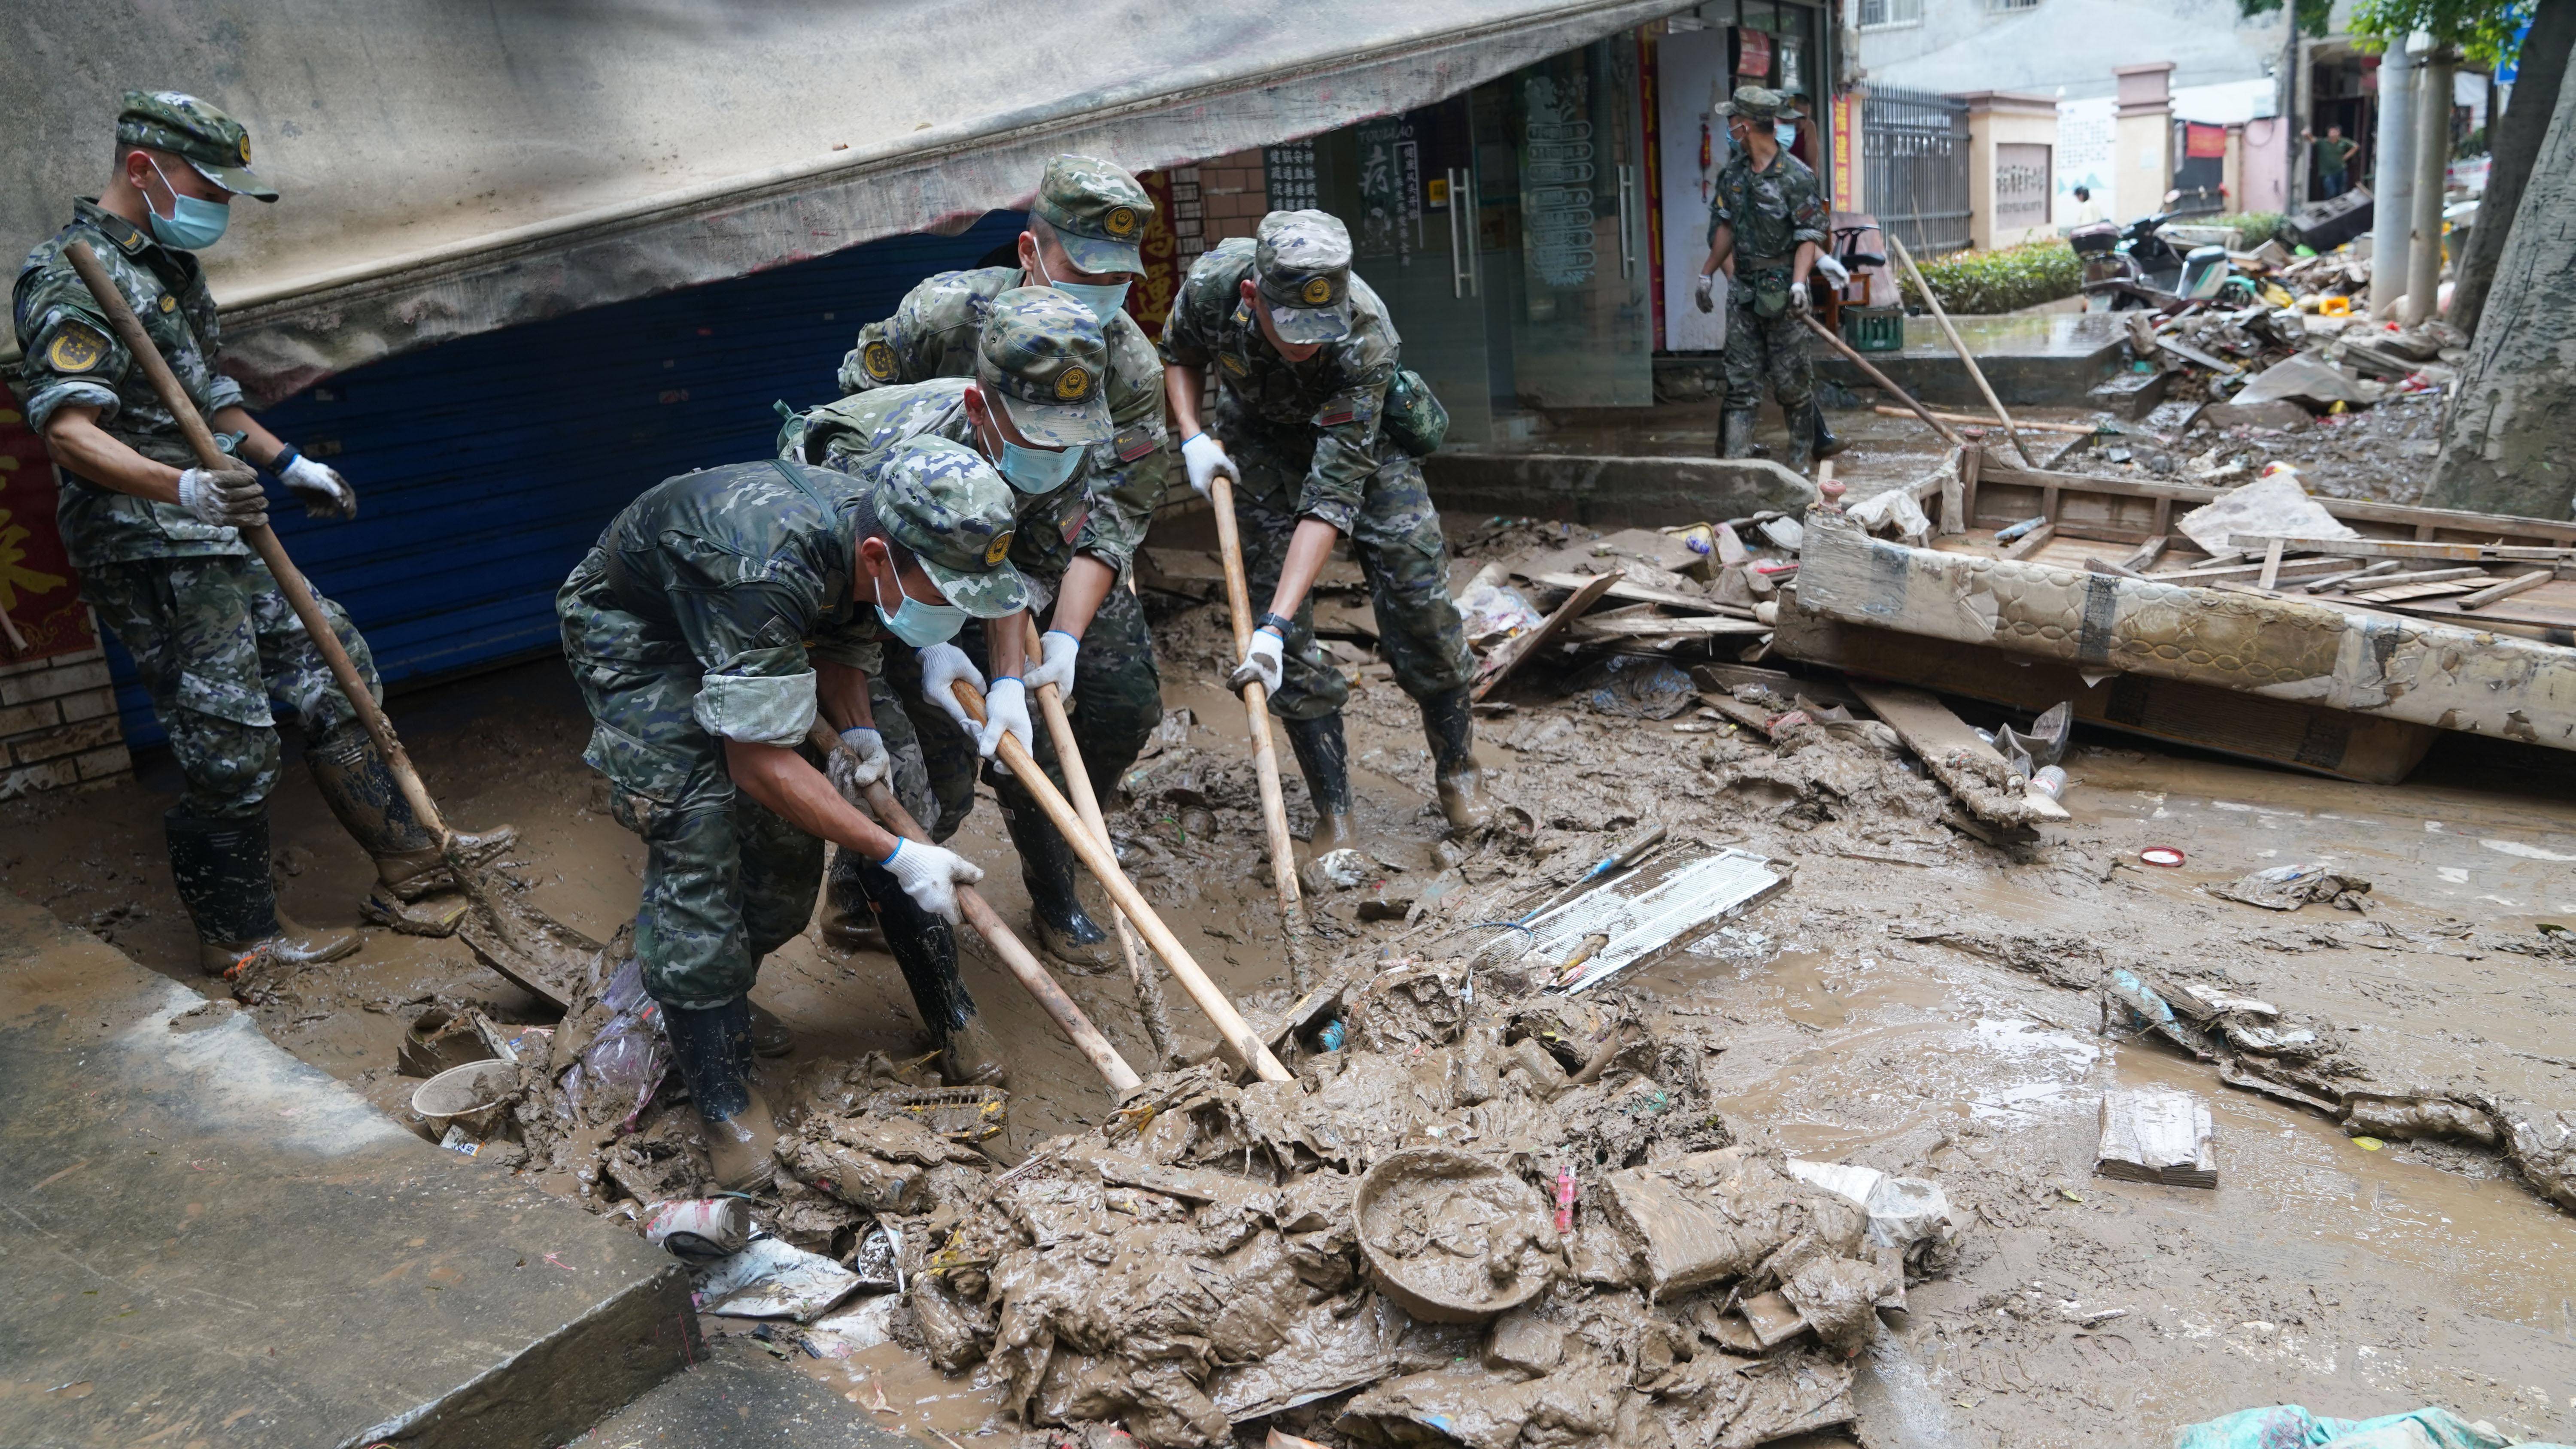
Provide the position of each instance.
(1562, 195)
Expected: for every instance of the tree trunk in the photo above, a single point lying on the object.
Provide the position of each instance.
(2507, 446)
(2513, 139)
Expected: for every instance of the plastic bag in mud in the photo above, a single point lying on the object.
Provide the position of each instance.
(1489, 613)
(2288, 887)
(1633, 687)
(623, 1064)
(2288, 1426)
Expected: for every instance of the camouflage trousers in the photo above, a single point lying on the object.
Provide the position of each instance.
(215, 642)
(726, 880)
(1402, 554)
(1760, 351)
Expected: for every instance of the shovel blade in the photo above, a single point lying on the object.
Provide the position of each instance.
(531, 949)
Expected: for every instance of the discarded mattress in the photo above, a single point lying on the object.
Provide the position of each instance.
(2405, 669)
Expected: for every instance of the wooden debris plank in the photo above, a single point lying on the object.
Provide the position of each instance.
(2031, 542)
(1508, 655)
(2505, 590)
(2295, 568)
(1591, 631)
(1629, 591)
(2407, 548)
(1934, 734)
(2400, 593)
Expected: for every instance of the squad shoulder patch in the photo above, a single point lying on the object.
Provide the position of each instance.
(77, 347)
(1133, 443)
(1335, 418)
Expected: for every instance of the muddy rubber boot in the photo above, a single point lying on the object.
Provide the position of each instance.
(1065, 930)
(1735, 435)
(849, 922)
(769, 1035)
(220, 868)
(712, 1049)
(359, 787)
(925, 949)
(1452, 732)
(1827, 445)
(1802, 439)
(1324, 757)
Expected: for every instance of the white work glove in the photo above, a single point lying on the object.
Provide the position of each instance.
(1798, 302)
(323, 492)
(1261, 664)
(1006, 710)
(860, 761)
(1705, 293)
(1832, 270)
(1205, 458)
(1059, 649)
(942, 665)
(226, 498)
(931, 876)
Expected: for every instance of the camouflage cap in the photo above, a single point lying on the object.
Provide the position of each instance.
(1754, 103)
(1301, 262)
(1042, 353)
(945, 503)
(196, 132)
(1099, 213)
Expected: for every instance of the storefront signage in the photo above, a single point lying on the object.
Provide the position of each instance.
(1846, 152)
(1557, 173)
(2023, 186)
(1753, 54)
(1390, 188)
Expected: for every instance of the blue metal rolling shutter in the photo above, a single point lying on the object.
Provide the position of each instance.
(487, 465)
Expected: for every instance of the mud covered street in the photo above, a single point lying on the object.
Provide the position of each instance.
(1914, 1001)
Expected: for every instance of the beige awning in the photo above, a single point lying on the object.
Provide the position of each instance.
(449, 168)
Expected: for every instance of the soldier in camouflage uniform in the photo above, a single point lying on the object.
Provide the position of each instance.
(716, 616)
(157, 540)
(1036, 405)
(1304, 354)
(1766, 226)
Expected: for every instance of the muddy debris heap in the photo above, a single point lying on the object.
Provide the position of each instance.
(1482, 1219)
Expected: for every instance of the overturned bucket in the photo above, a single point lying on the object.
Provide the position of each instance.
(1452, 1238)
(472, 1096)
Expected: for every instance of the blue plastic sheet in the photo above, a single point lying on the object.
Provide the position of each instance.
(2288, 1426)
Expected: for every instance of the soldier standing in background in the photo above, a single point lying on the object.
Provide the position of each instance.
(1304, 355)
(1036, 408)
(157, 541)
(1766, 227)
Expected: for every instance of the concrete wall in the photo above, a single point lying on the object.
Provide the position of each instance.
(1998, 119)
(2066, 48)
(2143, 152)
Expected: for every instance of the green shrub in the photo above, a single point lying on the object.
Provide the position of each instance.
(2253, 228)
(2000, 281)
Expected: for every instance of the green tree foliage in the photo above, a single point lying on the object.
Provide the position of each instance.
(2480, 32)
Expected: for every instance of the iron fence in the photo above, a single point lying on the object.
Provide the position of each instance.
(1914, 159)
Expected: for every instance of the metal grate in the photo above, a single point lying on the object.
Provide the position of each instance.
(1914, 158)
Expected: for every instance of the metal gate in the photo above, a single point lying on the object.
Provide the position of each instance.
(1914, 155)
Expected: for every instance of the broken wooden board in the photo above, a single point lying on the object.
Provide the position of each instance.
(1628, 591)
(1609, 551)
(2155, 1134)
(1638, 925)
(2404, 548)
(1597, 631)
(1967, 766)
(1507, 656)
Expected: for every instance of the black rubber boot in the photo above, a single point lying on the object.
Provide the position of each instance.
(712, 1049)
(220, 869)
(1452, 732)
(1803, 424)
(1065, 929)
(1324, 756)
(849, 921)
(1827, 445)
(925, 950)
(1735, 435)
(359, 787)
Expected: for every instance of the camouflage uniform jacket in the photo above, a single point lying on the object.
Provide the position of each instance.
(748, 571)
(1101, 515)
(74, 357)
(1336, 398)
(932, 334)
(1771, 210)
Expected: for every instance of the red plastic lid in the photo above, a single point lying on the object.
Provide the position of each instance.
(2164, 855)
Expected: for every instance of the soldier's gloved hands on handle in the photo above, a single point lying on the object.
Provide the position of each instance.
(942, 665)
(226, 498)
(860, 761)
(1830, 267)
(1705, 293)
(1205, 458)
(1798, 302)
(1006, 711)
(931, 876)
(1060, 650)
(1261, 664)
(323, 492)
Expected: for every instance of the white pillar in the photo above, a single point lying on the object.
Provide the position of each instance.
(2432, 165)
(2392, 180)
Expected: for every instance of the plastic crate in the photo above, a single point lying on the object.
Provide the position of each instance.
(1874, 329)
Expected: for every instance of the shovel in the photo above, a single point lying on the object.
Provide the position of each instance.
(522, 943)
(1265, 750)
(1151, 1007)
(1024, 966)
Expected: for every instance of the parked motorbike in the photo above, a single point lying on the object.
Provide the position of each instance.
(2138, 266)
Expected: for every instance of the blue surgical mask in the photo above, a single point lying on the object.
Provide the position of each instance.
(917, 623)
(1037, 470)
(1785, 134)
(194, 224)
(1104, 301)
